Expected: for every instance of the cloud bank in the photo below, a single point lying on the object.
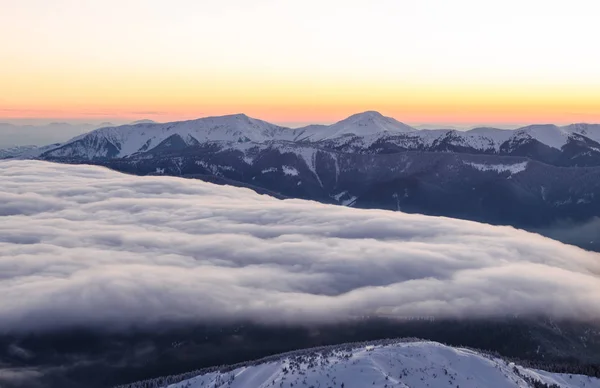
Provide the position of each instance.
(83, 245)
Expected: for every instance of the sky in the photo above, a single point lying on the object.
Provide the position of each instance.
(458, 62)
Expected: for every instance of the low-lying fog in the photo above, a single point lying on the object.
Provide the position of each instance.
(86, 246)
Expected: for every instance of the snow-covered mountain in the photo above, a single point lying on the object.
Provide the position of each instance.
(124, 141)
(367, 133)
(360, 125)
(385, 364)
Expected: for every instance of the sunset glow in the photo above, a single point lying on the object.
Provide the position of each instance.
(298, 62)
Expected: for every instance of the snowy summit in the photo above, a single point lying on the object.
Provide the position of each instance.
(360, 124)
(385, 364)
(368, 123)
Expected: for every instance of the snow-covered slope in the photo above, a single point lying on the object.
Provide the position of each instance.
(491, 139)
(360, 124)
(401, 364)
(484, 139)
(550, 135)
(591, 131)
(126, 140)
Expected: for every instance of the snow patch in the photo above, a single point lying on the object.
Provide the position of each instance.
(499, 168)
(288, 170)
(268, 170)
(214, 168)
(308, 154)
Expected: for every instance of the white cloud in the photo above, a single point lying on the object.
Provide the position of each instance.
(86, 245)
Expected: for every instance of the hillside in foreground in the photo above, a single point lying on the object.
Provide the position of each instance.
(384, 364)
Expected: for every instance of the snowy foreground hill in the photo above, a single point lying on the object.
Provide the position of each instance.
(384, 364)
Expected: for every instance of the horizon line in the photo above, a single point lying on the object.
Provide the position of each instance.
(120, 121)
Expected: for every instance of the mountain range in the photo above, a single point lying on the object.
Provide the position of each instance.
(531, 177)
(367, 132)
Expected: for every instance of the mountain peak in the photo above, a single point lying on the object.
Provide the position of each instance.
(360, 124)
(367, 123)
(236, 116)
(367, 114)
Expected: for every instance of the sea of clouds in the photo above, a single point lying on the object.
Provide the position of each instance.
(83, 245)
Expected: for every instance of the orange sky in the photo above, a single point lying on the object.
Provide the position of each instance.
(319, 102)
(433, 61)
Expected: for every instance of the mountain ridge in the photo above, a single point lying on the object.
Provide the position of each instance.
(356, 133)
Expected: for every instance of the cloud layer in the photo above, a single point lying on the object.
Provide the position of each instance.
(83, 245)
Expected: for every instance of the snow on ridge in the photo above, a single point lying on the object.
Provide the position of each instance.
(591, 131)
(550, 135)
(412, 364)
(482, 138)
(130, 139)
(499, 168)
(486, 137)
